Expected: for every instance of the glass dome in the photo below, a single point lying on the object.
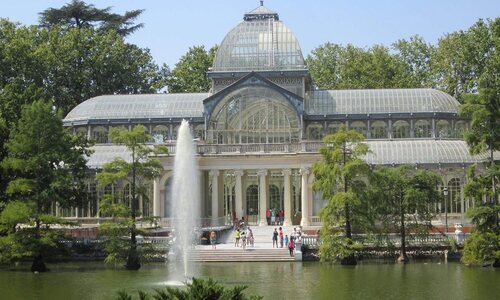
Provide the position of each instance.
(260, 43)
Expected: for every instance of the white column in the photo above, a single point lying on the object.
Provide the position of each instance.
(239, 195)
(156, 198)
(214, 174)
(262, 197)
(304, 193)
(287, 197)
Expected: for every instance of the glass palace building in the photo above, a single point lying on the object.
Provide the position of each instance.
(260, 127)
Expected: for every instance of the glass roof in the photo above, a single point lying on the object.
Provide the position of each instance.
(421, 152)
(379, 101)
(260, 42)
(139, 106)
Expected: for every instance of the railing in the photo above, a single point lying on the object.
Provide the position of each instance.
(315, 221)
(201, 222)
(204, 149)
(434, 239)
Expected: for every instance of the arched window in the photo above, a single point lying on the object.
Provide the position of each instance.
(81, 131)
(315, 131)
(378, 130)
(400, 129)
(199, 132)
(254, 114)
(229, 199)
(460, 128)
(100, 134)
(275, 197)
(333, 127)
(253, 200)
(175, 132)
(423, 129)
(443, 129)
(160, 134)
(359, 126)
(119, 127)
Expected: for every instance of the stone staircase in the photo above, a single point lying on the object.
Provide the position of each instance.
(238, 254)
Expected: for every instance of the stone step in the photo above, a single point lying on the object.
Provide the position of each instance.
(240, 255)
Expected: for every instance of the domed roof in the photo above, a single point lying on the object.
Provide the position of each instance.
(260, 43)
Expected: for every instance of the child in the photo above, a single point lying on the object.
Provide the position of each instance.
(286, 240)
(291, 247)
(237, 242)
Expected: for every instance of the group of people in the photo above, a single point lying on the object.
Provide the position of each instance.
(245, 235)
(275, 217)
(289, 242)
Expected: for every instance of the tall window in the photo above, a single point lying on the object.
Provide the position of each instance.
(400, 129)
(160, 134)
(460, 128)
(443, 129)
(100, 135)
(359, 126)
(423, 129)
(333, 127)
(275, 197)
(315, 131)
(378, 130)
(454, 196)
(253, 200)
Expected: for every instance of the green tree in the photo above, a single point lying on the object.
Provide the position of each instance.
(81, 15)
(484, 136)
(49, 167)
(415, 55)
(189, 74)
(137, 171)
(339, 178)
(405, 200)
(461, 58)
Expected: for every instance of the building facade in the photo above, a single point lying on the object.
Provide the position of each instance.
(260, 127)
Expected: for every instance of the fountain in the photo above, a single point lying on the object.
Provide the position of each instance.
(186, 199)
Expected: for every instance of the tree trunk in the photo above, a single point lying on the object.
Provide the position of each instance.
(38, 265)
(403, 258)
(133, 260)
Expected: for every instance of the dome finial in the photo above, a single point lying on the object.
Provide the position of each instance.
(261, 2)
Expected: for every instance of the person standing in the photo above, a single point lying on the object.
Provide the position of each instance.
(286, 240)
(275, 238)
(250, 236)
(268, 216)
(291, 246)
(281, 237)
(237, 235)
(213, 240)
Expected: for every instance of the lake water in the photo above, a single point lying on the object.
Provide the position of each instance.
(277, 280)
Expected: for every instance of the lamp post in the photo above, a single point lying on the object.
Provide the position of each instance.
(445, 193)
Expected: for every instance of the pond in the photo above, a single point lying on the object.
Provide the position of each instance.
(276, 280)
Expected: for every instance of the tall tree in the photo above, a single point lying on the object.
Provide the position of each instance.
(138, 171)
(79, 14)
(189, 74)
(49, 167)
(405, 200)
(415, 56)
(484, 136)
(338, 176)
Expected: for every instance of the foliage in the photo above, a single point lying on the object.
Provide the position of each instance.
(484, 110)
(454, 65)
(338, 176)
(404, 199)
(197, 289)
(137, 173)
(49, 167)
(81, 15)
(189, 74)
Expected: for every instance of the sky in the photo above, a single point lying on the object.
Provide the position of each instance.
(172, 26)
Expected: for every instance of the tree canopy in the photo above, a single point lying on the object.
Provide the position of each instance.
(79, 14)
(189, 74)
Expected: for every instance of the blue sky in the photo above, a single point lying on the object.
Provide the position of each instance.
(172, 26)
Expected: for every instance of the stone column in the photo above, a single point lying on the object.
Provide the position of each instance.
(214, 174)
(287, 197)
(156, 198)
(239, 195)
(304, 193)
(262, 197)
